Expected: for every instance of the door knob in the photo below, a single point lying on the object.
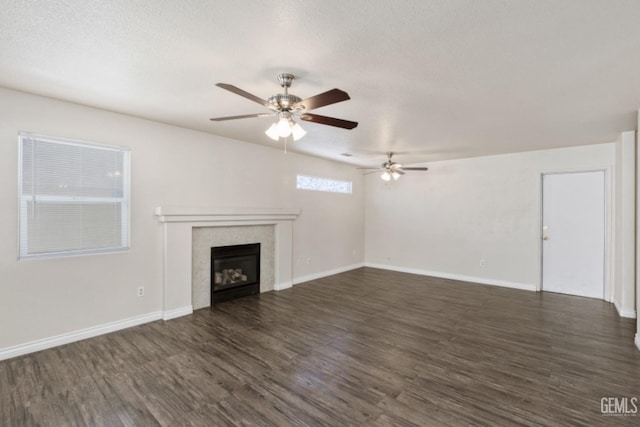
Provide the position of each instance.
(545, 237)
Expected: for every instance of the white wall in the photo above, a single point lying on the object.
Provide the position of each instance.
(171, 166)
(446, 221)
(637, 207)
(625, 205)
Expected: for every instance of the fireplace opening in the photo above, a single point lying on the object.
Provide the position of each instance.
(235, 271)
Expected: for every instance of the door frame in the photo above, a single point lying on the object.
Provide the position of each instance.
(609, 215)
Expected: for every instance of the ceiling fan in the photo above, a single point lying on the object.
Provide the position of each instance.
(285, 107)
(391, 169)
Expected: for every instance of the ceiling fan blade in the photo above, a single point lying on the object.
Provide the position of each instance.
(369, 173)
(245, 116)
(370, 168)
(398, 171)
(331, 121)
(415, 169)
(326, 98)
(243, 93)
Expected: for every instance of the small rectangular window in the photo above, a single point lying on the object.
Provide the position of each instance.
(315, 183)
(74, 197)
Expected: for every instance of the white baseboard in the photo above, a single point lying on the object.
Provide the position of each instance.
(638, 341)
(309, 277)
(631, 314)
(178, 312)
(282, 286)
(43, 344)
(439, 274)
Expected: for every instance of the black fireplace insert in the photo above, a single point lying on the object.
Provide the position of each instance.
(235, 271)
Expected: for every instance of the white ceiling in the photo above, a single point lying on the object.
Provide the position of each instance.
(436, 79)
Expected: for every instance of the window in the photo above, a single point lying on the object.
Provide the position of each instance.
(74, 197)
(323, 184)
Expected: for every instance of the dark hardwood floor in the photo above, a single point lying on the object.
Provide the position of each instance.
(366, 347)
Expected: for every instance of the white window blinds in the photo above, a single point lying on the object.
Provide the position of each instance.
(74, 197)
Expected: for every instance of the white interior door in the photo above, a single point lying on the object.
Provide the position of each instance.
(573, 233)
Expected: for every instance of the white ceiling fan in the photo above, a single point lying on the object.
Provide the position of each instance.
(391, 169)
(285, 107)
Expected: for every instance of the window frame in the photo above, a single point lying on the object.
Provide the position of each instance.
(326, 180)
(124, 200)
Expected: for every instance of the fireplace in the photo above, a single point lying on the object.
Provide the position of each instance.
(183, 266)
(235, 271)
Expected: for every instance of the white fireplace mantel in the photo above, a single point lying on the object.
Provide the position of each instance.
(204, 214)
(178, 227)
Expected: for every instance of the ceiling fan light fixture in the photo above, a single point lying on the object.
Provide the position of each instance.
(272, 132)
(391, 169)
(286, 105)
(297, 131)
(284, 128)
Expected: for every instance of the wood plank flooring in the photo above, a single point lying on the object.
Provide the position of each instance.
(366, 347)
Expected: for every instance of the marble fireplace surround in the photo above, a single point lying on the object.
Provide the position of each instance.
(178, 224)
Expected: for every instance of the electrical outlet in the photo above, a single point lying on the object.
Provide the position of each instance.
(141, 291)
(308, 260)
(483, 263)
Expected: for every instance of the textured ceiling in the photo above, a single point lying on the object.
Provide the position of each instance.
(434, 79)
